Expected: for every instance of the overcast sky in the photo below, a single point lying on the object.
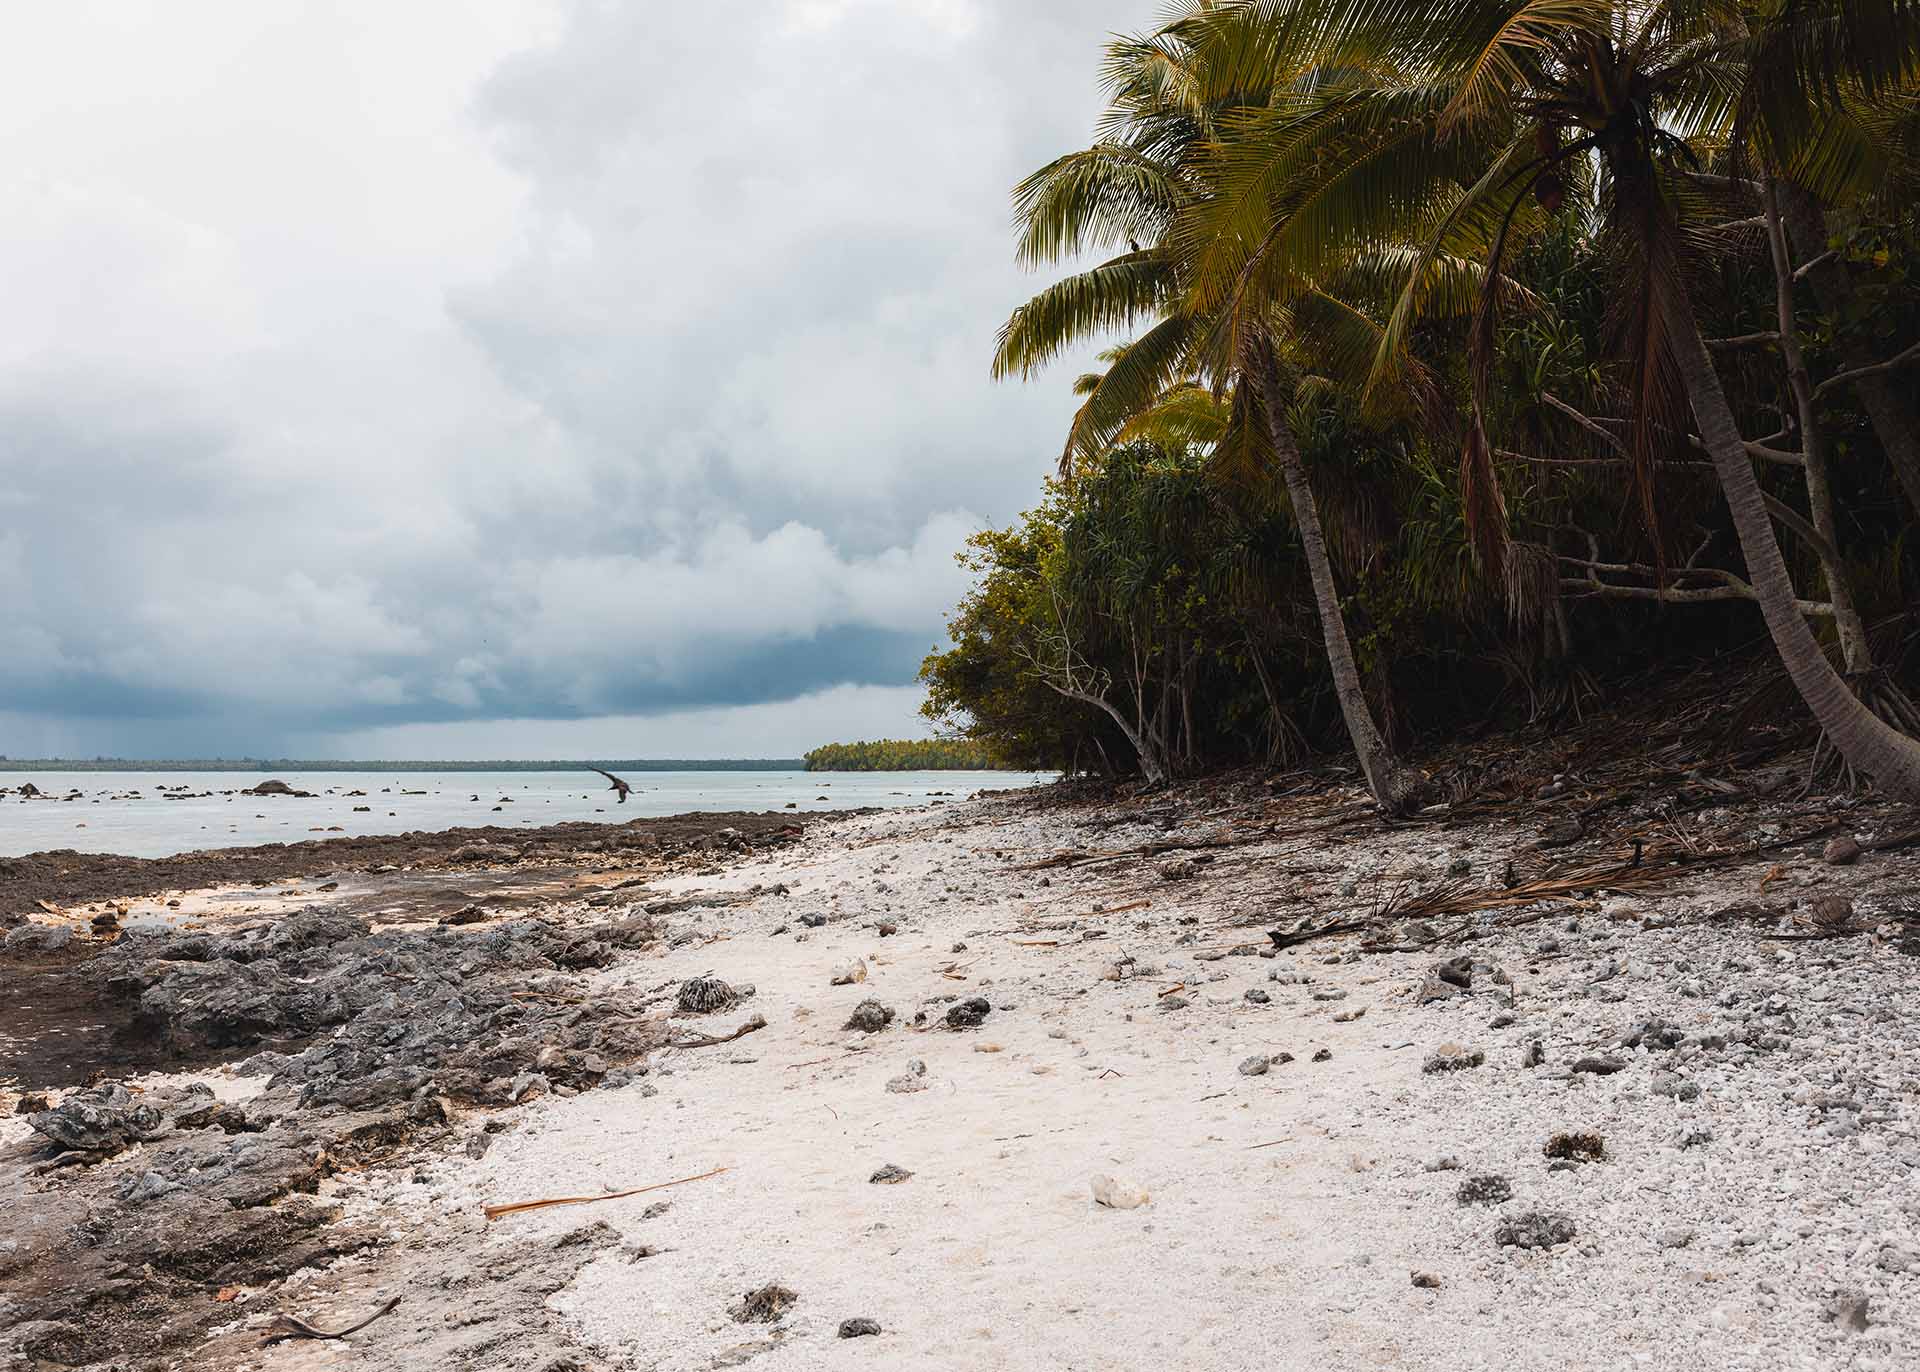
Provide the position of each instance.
(509, 377)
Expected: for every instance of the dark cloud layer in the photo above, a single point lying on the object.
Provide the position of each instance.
(365, 380)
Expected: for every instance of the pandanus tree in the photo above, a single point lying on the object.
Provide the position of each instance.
(1241, 312)
(1530, 93)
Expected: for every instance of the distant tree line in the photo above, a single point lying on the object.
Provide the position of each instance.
(902, 755)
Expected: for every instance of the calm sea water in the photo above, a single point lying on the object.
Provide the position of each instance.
(127, 812)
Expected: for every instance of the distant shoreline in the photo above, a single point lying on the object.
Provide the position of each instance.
(284, 764)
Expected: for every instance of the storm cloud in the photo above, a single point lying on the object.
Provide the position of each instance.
(509, 378)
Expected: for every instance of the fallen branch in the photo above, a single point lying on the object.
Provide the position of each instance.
(287, 1327)
(494, 1212)
(712, 1040)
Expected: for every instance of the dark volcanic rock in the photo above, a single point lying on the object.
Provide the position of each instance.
(1535, 1229)
(969, 1014)
(104, 1119)
(870, 1017)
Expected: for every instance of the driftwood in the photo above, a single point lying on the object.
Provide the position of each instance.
(287, 1327)
(713, 1040)
(494, 1212)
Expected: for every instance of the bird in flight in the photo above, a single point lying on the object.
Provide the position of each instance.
(618, 785)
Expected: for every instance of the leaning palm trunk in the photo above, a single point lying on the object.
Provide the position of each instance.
(1867, 743)
(1394, 787)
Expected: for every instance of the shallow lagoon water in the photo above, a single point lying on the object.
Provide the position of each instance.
(127, 812)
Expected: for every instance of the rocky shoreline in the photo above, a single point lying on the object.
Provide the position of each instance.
(1183, 1077)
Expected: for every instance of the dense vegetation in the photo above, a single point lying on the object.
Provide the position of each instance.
(1478, 352)
(901, 755)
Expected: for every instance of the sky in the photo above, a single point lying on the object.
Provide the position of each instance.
(510, 378)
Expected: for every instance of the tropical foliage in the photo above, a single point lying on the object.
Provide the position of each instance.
(1472, 349)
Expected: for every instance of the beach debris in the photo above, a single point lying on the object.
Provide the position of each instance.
(858, 1327)
(1329, 994)
(913, 1079)
(763, 1305)
(1599, 1067)
(1489, 1188)
(1535, 1229)
(1115, 1194)
(1841, 851)
(1426, 1281)
(969, 1014)
(494, 1212)
(1255, 1066)
(889, 1174)
(1452, 1057)
(1170, 1002)
(1576, 1147)
(870, 1016)
(703, 995)
(287, 1327)
(852, 973)
(1849, 1310)
(753, 1023)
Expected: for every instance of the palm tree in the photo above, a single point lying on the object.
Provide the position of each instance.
(1534, 89)
(1237, 335)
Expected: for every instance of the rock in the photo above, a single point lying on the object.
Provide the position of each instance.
(813, 921)
(1255, 1066)
(1849, 1311)
(1329, 994)
(1653, 1034)
(1576, 1147)
(1674, 1236)
(1672, 1084)
(1487, 1189)
(1323, 1055)
(1503, 1020)
(1455, 971)
(885, 929)
(1426, 1281)
(1118, 1195)
(1435, 988)
(483, 852)
(104, 1119)
(702, 995)
(853, 972)
(274, 788)
(1255, 996)
(1349, 1016)
(39, 938)
(858, 1327)
(1446, 1163)
(1535, 1229)
(764, 1305)
(889, 1175)
(1452, 1057)
(870, 1016)
(969, 1014)
(1599, 1067)
(1841, 851)
(913, 1079)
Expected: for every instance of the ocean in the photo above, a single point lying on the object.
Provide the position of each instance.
(129, 812)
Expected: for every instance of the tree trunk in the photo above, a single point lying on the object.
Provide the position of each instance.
(1854, 651)
(1394, 787)
(1886, 398)
(1861, 737)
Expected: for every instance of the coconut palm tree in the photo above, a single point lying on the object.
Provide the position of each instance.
(1532, 91)
(1245, 337)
